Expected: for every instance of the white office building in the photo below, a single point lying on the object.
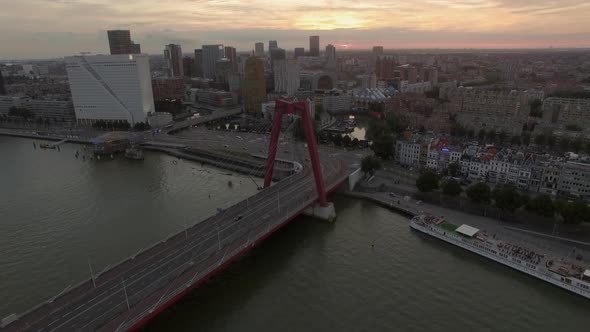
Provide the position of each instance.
(111, 87)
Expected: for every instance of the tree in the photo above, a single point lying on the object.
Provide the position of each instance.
(526, 139)
(452, 188)
(299, 131)
(564, 143)
(370, 164)
(506, 198)
(573, 212)
(427, 182)
(377, 129)
(524, 199)
(502, 136)
(481, 134)
(346, 140)
(540, 139)
(354, 142)
(551, 141)
(479, 193)
(393, 124)
(457, 130)
(573, 127)
(491, 135)
(515, 140)
(541, 205)
(141, 126)
(536, 108)
(454, 169)
(577, 144)
(383, 146)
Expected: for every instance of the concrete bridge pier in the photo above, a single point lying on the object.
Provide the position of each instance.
(327, 212)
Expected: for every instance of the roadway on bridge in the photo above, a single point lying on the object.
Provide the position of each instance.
(127, 294)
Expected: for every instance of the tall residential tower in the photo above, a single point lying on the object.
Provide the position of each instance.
(173, 57)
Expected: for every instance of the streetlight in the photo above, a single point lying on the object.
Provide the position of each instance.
(91, 273)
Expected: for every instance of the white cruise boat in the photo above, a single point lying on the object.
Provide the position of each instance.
(555, 270)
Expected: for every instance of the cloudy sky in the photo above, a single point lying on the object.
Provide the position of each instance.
(54, 28)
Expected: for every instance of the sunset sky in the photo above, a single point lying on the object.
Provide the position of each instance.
(54, 28)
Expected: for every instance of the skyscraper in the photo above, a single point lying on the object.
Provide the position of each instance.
(277, 54)
(211, 53)
(314, 45)
(385, 67)
(259, 49)
(111, 87)
(230, 53)
(135, 48)
(187, 66)
(173, 57)
(198, 70)
(331, 52)
(377, 50)
(223, 70)
(2, 87)
(299, 51)
(120, 41)
(272, 44)
(286, 76)
(254, 84)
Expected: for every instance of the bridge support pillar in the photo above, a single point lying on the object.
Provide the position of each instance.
(327, 212)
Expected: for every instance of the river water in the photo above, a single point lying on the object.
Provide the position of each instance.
(366, 272)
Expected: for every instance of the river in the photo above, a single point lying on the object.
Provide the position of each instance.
(366, 272)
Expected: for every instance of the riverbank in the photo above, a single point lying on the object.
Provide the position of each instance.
(411, 207)
(47, 137)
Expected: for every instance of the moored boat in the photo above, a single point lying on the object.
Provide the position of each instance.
(559, 271)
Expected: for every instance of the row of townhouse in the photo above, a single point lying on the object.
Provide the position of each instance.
(527, 171)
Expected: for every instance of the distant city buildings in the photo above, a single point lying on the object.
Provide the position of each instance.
(230, 54)
(213, 97)
(314, 45)
(135, 48)
(223, 70)
(168, 88)
(254, 85)
(173, 58)
(110, 87)
(259, 49)
(298, 51)
(188, 64)
(385, 67)
(2, 86)
(286, 76)
(408, 73)
(198, 63)
(211, 54)
(120, 42)
(561, 113)
(272, 44)
(54, 109)
(377, 50)
(331, 52)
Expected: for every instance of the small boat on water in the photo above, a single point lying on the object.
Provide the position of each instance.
(47, 146)
(133, 153)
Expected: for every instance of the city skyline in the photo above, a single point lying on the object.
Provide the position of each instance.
(65, 29)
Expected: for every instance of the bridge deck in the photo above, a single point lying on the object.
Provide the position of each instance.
(131, 293)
